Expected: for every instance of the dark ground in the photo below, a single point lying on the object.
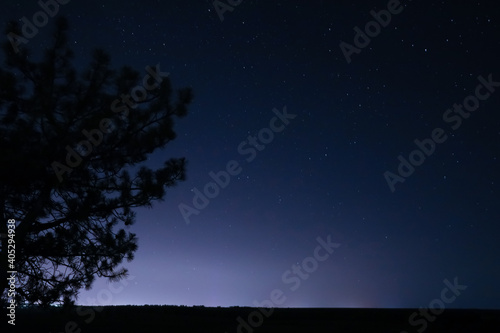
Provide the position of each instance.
(200, 319)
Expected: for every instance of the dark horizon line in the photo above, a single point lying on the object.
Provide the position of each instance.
(253, 307)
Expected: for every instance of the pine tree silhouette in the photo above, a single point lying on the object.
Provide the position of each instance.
(67, 140)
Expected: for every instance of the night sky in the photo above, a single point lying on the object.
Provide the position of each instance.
(309, 131)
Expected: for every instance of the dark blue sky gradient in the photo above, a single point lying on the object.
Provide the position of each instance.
(323, 174)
